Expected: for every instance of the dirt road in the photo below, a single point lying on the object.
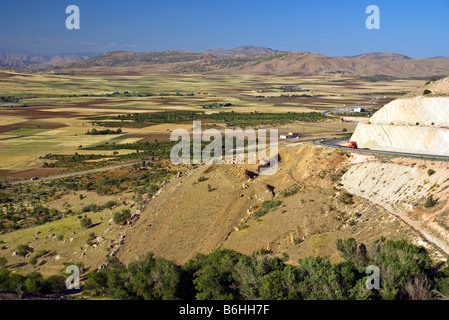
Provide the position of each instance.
(78, 173)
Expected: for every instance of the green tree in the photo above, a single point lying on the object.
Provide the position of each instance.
(154, 279)
(23, 250)
(121, 217)
(213, 275)
(86, 222)
(272, 287)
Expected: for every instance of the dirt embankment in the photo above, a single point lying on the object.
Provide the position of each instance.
(403, 187)
(217, 206)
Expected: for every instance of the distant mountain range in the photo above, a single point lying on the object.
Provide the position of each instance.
(389, 56)
(24, 60)
(241, 60)
(245, 50)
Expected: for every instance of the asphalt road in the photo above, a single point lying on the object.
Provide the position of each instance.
(333, 144)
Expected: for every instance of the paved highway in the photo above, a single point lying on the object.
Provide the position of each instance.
(334, 144)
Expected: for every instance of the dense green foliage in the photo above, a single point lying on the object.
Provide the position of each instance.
(121, 217)
(406, 272)
(33, 283)
(95, 132)
(230, 118)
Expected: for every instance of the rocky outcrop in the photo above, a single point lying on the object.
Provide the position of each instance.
(418, 123)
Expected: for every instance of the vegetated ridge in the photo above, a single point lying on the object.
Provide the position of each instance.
(250, 60)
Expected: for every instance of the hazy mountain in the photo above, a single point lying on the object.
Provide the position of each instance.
(245, 50)
(382, 56)
(128, 59)
(23, 60)
(242, 60)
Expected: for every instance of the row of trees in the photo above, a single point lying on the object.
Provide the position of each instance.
(95, 132)
(405, 273)
(33, 283)
(231, 118)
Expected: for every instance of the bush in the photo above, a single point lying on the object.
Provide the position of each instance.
(86, 222)
(33, 261)
(90, 238)
(291, 190)
(430, 202)
(431, 172)
(122, 217)
(55, 284)
(110, 204)
(346, 198)
(23, 250)
(266, 207)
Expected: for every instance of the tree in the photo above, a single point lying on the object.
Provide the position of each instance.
(33, 261)
(272, 287)
(430, 202)
(86, 222)
(121, 217)
(154, 279)
(23, 250)
(214, 278)
(34, 283)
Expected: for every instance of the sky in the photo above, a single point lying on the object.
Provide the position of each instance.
(333, 28)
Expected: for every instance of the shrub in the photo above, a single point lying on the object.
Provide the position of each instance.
(55, 284)
(121, 217)
(431, 172)
(202, 178)
(291, 190)
(23, 250)
(346, 198)
(33, 261)
(86, 222)
(110, 204)
(430, 202)
(90, 238)
(266, 207)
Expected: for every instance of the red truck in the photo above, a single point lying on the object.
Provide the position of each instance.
(351, 144)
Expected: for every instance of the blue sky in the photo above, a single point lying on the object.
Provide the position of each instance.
(334, 28)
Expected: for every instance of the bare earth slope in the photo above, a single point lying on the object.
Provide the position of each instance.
(189, 216)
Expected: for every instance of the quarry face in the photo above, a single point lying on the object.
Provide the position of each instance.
(412, 125)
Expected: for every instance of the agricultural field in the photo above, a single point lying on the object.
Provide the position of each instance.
(51, 114)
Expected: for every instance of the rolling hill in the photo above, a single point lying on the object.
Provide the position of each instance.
(241, 60)
(30, 61)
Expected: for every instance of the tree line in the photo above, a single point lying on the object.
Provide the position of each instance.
(406, 273)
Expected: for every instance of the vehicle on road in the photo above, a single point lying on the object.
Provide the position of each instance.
(351, 144)
(34, 178)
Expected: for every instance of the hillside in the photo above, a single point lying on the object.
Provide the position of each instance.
(308, 211)
(244, 50)
(245, 61)
(34, 61)
(417, 123)
(383, 56)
